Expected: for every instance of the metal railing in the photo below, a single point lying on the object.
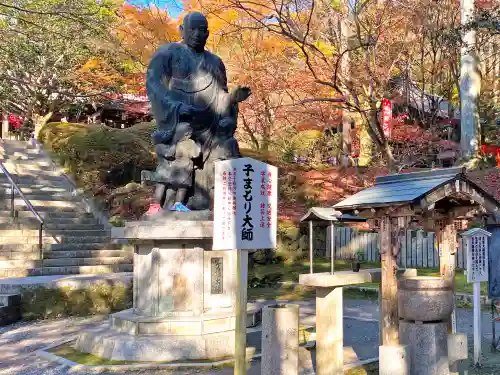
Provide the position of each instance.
(13, 212)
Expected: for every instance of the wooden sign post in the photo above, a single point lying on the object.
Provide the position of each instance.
(245, 218)
(477, 271)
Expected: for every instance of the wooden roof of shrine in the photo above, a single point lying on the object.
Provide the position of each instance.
(329, 214)
(421, 191)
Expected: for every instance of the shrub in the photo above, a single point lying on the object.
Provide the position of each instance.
(50, 303)
(291, 243)
(97, 154)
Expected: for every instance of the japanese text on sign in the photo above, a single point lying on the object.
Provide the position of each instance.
(477, 258)
(245, 203)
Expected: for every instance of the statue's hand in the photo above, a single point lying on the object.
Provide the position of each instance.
(240, 93)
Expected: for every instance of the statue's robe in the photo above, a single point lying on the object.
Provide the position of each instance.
(178, 75)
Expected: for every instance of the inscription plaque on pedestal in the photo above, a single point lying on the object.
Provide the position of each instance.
(216, 269)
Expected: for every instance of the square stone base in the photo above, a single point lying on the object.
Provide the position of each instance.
(428, 343)
(132, 337)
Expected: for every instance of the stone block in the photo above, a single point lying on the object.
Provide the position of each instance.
(425, 298)
(280, 340)
(109, 344)
(457, 352)
(428, 344)
(394, 360)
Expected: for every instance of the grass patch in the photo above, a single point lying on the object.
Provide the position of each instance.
(68, 352)
(369, 369)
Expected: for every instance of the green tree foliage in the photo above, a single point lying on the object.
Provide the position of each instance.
(42, 45)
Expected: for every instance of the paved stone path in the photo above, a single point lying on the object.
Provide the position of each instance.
(19, 341)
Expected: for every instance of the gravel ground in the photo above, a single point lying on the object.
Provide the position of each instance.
(19, 341)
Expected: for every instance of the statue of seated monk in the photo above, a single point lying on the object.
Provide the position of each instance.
(186, 83)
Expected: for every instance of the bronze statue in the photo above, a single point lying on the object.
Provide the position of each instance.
(187, 88)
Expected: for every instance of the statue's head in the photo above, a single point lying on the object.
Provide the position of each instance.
(194, 30)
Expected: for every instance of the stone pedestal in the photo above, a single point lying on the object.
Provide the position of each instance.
(280, 340)
(183, 298)
(428, 347)
(425, 306)
(329, 313)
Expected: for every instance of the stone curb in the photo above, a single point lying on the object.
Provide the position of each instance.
(153, 366)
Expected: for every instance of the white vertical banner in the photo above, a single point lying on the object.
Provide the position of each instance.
(245, 205)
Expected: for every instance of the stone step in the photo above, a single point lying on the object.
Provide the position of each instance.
(48, 213)
(61, 254)
(40, 196)
(54, 232)
(29, 168)
(57, 247)
(49, 222)
(19, 263)
(35, 255)
(51, 227)
(70, 262)
(5, 186)
(10, 299)
(72, 270)
(30, 264)
(104, 245)
(45, 178)
(36, 203)
(12, 240)
(16, 255)
(34, 159)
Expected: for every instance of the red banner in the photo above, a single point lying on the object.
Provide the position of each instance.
(386, 117)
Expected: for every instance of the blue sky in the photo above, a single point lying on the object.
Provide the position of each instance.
(174, 6)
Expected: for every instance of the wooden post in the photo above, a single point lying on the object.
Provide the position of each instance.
(389, 319)
(240, 363)
(477, 323)
(332, 247)
(447, 237)
(311, 245)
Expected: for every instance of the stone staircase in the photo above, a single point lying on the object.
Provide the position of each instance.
(74, 242)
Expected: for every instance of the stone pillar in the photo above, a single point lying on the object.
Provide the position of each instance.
(329, 332)
(425, 305)
(457, 353)
(280, 340)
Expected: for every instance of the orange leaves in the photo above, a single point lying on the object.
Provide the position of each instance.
(142, 30)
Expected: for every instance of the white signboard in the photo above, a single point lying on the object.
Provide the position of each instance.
(477, 254)
(245, 205)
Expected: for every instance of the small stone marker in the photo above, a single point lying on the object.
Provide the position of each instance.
(280, 340)
(457, 353)
(394, 360)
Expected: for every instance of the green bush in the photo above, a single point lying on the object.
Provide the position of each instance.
(97, 154)
(291, 243)
(49, 303)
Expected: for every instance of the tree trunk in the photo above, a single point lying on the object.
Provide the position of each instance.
(365, 145)
(39, 121)
(5, 126)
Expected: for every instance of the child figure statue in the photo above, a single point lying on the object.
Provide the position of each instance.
(174, 174)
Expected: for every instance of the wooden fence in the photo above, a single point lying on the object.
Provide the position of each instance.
(418, 248)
